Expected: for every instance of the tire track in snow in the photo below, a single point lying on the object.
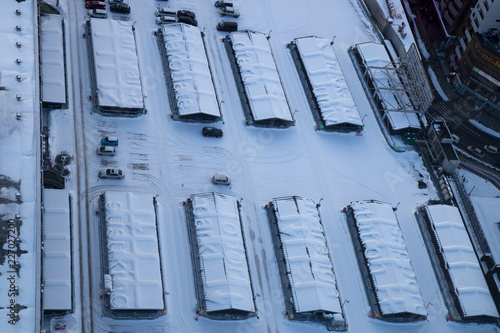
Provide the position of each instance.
(86, 310)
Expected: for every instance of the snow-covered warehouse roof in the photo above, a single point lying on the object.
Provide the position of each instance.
(260, 76)
(304, 245)
(56, 251)
(488, 213)
(52, 59)
(375, 57)
(189, 70)
(116, 65)
(328, 83)
(462, 264)
(222, 257)
(385, 251)
(132, 251)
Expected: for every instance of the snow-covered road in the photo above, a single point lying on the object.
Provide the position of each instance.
(172, 160)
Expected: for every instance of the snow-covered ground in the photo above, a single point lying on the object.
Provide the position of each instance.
(19, 189)
(172, 160)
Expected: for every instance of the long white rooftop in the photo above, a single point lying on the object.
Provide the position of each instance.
(133, 256)
(115, 64)
(375, 57)
(260, 76)
(190, 72)
(488, 213)
(392, 274)
(56, 251)
(304, 245)
(462, 264)
(328, 83)
(223, 262)
(19, 165)
(52, 59)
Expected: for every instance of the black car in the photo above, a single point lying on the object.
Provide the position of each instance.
(186, 13)
(187, 20)
(121, 8)
(220, 4)
(227, 26)
(212, 131)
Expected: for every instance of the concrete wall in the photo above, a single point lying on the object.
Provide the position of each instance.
(379, 18)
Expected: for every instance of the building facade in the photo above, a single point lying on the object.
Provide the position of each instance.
(468, 31)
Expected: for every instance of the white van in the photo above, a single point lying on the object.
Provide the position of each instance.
(491, 149)
(98, 13)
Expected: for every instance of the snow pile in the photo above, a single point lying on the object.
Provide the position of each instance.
(188, 64)
(57, 251)
(223, 263)
(260, 76)
(115, 64)
(484, 128)
(388, 260)
(463, 266)
(436, 84)
(328, 83)
(309, 269)
(132, 246)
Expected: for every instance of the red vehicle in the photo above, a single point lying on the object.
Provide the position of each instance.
(95, 5)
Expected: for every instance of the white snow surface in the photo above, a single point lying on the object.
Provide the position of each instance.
(309, 269)
(328, 82)
(483, 128)
(56, 251)
(392, 274)
(375, 55)
(188, 63)
(399, 19)
(466, 274)
(260, 76)
(173, 160)
(223, 263)
(18, 162)
(116, 65)
(52, 59)
(476, 185)
(488, 214)
(133, 256)
(436, 84)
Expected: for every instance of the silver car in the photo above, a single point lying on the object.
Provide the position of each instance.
(106, 151)
(220, 179)
(111, 174)
(166, 11)
(165, 19)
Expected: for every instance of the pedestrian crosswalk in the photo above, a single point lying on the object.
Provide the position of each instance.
(446, 111)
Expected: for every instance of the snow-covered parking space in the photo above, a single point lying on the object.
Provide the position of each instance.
(172, 161)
